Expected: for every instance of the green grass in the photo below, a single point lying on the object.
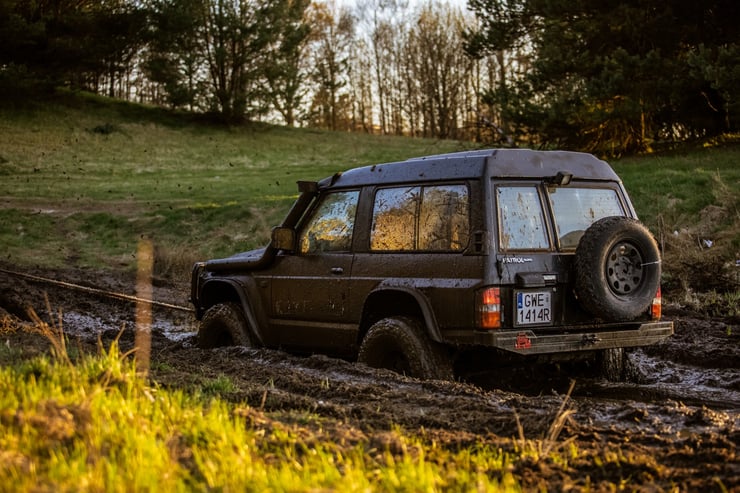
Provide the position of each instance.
(96, 425)
(83, 178)
(674, 188)
(73, 195)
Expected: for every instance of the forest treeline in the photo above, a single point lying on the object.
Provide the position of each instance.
(609, 77)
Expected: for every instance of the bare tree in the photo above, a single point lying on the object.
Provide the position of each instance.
(441, 68)
(361, 86)
(331, 37)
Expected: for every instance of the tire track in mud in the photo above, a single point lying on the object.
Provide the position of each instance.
(690, 391)
(368, 404)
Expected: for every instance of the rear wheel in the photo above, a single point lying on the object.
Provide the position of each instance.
(400, 344)
(224, 325)
(616, 365)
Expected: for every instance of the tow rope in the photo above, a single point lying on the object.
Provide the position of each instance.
(95, 291)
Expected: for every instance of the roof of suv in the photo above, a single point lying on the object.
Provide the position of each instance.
(505, 163)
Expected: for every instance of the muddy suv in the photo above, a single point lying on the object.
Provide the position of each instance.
(414, 265)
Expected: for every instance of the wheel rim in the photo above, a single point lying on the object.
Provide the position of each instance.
(624, 268)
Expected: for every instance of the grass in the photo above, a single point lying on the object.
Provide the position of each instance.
(92, 422)
(73, 194)
(97, 425)
(672, 190)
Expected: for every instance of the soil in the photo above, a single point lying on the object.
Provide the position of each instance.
(675, 426)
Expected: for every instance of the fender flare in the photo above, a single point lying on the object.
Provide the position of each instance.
(256, 319)
(430, 320)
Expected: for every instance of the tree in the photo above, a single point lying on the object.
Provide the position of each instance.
(719, 67)
(287, 66)
(610, 77)
(176, 51)
(73, 42)
(441, 68)
(331, 37)
(237, 35)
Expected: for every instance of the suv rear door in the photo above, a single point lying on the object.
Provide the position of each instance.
(538, 228)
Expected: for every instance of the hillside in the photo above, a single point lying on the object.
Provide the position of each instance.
(84, 177)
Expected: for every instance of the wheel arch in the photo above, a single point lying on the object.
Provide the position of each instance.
(217, 291)
(390, 301)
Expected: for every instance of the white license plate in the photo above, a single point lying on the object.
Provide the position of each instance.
(533, 308)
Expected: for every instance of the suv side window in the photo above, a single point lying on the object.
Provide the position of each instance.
(331, 224)
(521, 220)
(427, 218)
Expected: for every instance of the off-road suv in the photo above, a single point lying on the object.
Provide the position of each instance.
(410, 265)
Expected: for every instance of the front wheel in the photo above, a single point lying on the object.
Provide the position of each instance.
(400, 344)
(224, 325)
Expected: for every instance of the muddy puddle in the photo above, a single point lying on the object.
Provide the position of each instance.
(670, 397)
(684, 408)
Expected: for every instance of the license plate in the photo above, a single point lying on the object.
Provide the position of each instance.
(533, 308)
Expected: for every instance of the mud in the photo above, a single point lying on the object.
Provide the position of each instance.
(675, 427)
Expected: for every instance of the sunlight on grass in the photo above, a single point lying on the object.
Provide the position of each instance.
(98, 426)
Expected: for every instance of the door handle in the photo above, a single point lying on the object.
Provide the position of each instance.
(337, 270)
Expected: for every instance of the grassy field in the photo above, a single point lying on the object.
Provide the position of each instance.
(83, 178)
(96, 425)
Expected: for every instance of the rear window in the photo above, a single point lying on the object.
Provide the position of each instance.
(521, 221)
(522, 218)
(576, 209)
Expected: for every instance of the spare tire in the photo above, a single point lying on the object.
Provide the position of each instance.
(617, 269)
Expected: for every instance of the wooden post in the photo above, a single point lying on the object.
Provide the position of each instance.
(143, 341)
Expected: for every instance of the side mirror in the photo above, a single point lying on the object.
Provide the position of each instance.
(283, 238)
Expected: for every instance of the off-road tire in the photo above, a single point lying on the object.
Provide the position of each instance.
(615, 365)
(224, 325)
(617, 269)
(400, 344)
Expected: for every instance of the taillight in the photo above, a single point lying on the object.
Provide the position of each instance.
(656, 309)
(489, 308)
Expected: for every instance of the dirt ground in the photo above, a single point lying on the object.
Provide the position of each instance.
(675, 428)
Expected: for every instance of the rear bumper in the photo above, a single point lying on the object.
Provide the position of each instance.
(527, 342)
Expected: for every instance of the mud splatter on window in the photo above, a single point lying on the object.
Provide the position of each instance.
(429, 218)
(331, 225)
(521, 221)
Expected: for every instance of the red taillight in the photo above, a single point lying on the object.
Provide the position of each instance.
(656, 309)
(489, 308)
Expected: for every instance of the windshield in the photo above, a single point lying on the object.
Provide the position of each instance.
(576, 209)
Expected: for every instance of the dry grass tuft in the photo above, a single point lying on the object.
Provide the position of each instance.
(704, 257)
(550, 443)
(8, 323)
(52, 330)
